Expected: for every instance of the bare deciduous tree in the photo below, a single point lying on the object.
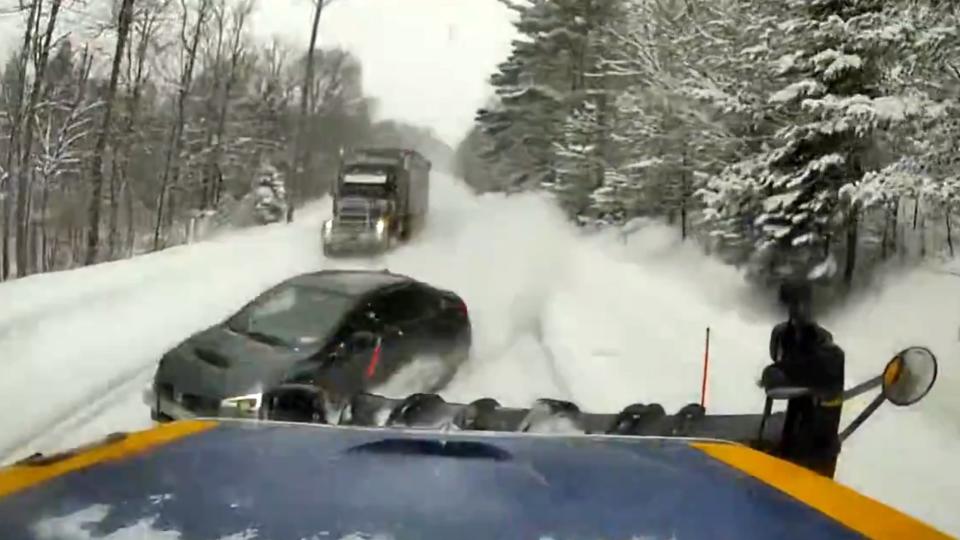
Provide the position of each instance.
(26, 161)
(16, 120)
(123, 30)
(190, 40)
(300, 156)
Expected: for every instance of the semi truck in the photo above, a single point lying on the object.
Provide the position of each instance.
(380, 199)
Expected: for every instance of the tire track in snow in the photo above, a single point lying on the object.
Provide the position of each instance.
(73, 427)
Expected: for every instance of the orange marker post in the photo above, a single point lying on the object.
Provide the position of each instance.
(706, 364)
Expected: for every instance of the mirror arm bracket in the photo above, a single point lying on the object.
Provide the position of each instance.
(862, 417)
(862, 388)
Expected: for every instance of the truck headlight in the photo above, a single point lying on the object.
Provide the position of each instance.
(247, 405)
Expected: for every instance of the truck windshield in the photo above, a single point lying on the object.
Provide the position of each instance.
(377, 178)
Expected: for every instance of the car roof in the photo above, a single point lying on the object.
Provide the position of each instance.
(351, 282)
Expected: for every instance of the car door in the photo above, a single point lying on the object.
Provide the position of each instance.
(341, 364)
(400, 315)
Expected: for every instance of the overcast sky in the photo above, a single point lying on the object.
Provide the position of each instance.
(426, 61)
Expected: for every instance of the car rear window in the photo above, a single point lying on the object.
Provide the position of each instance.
(349, 283)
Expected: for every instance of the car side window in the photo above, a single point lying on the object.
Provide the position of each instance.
(357, 321)
(404, 305)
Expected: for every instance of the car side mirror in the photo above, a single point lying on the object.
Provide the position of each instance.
(362, 340)
(356, 342)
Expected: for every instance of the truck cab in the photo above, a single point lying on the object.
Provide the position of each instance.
(380, 199)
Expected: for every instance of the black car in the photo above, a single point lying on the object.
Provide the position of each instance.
(344, 330)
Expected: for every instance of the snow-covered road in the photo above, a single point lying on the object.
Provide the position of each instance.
(556, 314)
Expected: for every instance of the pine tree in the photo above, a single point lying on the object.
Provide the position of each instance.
(549, 126)
(827, 121)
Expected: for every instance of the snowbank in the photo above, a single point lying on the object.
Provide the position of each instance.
(68, 338)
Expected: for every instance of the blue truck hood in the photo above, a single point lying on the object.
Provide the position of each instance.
(214, 479)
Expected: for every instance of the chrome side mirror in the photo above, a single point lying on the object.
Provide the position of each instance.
(909, 376)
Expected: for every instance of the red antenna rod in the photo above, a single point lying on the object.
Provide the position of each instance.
(706, 364)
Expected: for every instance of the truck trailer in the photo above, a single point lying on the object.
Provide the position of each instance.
(380, 199)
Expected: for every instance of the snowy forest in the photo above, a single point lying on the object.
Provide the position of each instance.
(789, 137)
(783, 135)
(118, 135)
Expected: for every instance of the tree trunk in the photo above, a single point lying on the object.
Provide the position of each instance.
(853, 229)
(131, 232)
(946, 215)
(114, 209)
(171, 169)
(895, 228)
(162, 196)
(44, 198)
(30, 226)
(683, 219)
(123, 30)
(33, 255)
(923, 238)
(212, 108)
(40, 52)
(216, 156)
(25, 176)
(13, 151)
(300, 154)
(76, 245)
(126, 142)
(916, 211)
(5, 241)
(684, 195)
(886, 232)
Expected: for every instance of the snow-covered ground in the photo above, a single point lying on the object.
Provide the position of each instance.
(599, 320)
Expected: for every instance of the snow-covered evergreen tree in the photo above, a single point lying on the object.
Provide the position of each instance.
(673, 116)
(829, 115)
(549, 128)
(790, 131)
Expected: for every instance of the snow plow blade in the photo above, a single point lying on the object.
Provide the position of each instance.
(306, 403)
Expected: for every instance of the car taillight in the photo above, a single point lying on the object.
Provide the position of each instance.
(451, 302)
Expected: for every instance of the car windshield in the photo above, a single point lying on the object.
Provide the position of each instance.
(292, 315)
